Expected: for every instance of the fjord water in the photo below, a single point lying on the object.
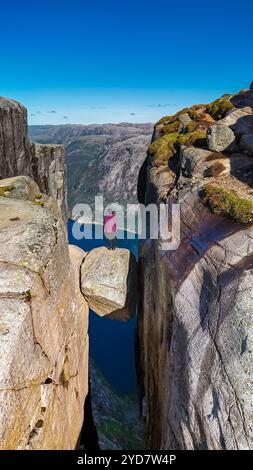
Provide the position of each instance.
(112, 343)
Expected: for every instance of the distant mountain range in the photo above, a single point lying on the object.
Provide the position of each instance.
(101, 159)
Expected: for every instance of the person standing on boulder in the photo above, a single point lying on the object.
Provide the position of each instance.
(110, 229)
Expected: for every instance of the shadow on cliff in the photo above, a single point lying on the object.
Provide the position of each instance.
(142, 182)
(244, 174)
(88, 439)
(243, 99)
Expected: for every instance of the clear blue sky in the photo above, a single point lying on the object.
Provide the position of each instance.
(122, 60)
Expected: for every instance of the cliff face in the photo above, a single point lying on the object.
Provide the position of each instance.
(43, 324)
(195, 326)
(49, 172)
(15, 155)
(45, 164)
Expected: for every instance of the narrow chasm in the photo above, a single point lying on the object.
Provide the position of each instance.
(112, 414)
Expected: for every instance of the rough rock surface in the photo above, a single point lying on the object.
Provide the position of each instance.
(109, 282)
(15, 155)
(246, 143)
(43, 328)
(20, 187)
(18, 157)
(49, 170)
(220, 137)
(195, 324)
(197, 162)
(240, 121)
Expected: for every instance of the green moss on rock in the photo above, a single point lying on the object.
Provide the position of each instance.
(196, 138)
(167, 146)
(164, 147)
(228, 203)
(39, 203)
(5, 190)
(171, 128)
(115, 430)
(171, 119)
(218, 108)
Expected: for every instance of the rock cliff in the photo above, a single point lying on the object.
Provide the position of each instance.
(43, 324)
(18, 157)
(195, 325)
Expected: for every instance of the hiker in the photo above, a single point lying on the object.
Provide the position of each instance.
(110, 229)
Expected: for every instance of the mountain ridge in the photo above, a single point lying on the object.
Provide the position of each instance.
(103, 158)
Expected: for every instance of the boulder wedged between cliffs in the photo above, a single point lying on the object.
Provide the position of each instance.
(109, 282)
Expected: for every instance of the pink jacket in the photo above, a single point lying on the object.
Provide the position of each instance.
(110, 224)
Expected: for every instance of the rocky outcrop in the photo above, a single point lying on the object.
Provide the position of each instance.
(23, 188)
(18, 157)
(49, 171)
(15, 155)
(220, 137)
(195, 325)
(43, 324)
(109, 282)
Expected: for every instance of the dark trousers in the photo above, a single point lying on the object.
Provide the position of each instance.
(112, 244)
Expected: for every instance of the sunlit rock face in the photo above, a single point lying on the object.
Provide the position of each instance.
(195, 323)
(19, 157)
(43, 324)
(109, 282)
(15, 155)
(49, 170)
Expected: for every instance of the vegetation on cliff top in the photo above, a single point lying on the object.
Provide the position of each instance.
(174, 118)
(228, 203)
(167, 146)
(187, 127)
(5, 190)
(218, 108)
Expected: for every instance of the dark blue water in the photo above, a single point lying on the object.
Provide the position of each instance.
(112, 342)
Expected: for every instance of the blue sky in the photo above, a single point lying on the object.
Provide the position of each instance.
(110, 61)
